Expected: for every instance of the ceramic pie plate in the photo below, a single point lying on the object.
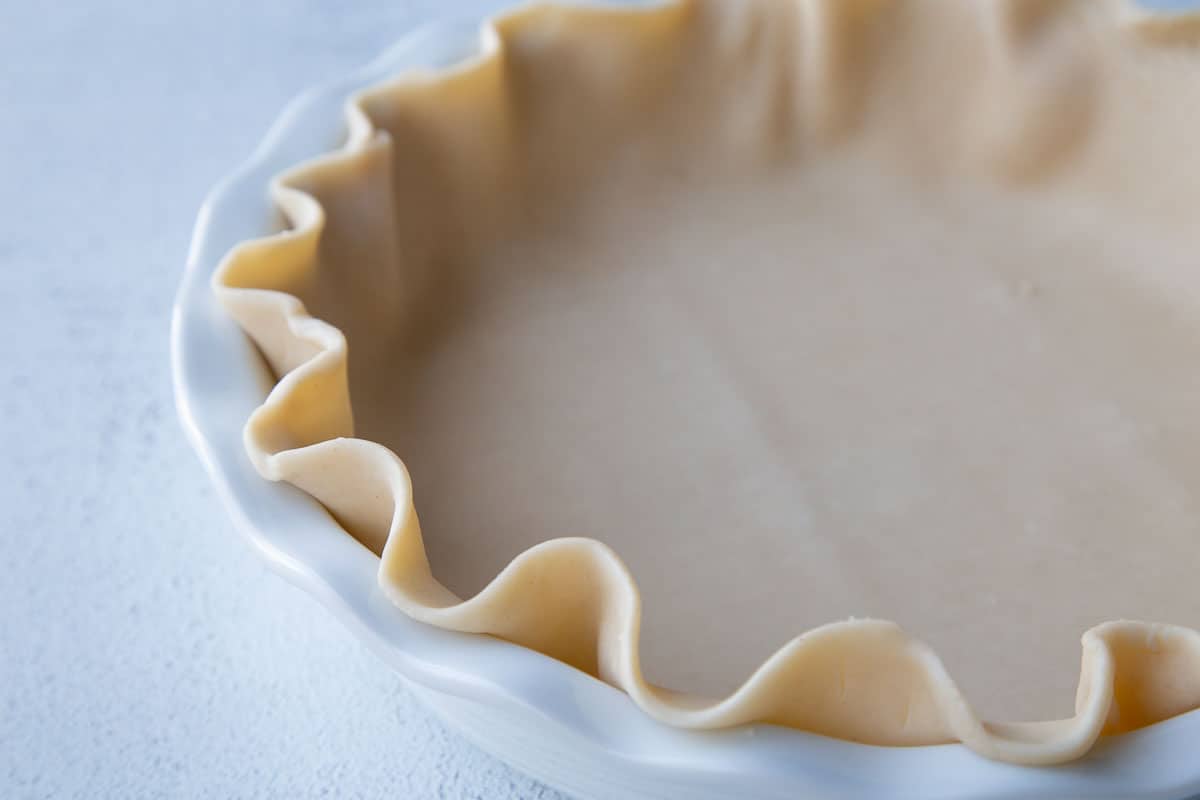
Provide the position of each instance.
(559, 723)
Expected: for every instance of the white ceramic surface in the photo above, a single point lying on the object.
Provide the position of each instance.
(558, 724)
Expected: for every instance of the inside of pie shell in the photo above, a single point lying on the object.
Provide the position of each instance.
(879, 309)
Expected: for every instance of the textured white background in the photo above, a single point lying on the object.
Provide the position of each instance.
(144, 651)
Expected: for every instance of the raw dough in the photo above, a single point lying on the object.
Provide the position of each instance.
(807, 310)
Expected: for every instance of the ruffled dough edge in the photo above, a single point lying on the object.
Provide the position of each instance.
(573, 599)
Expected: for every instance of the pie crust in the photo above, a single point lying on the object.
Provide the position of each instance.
(898, 229)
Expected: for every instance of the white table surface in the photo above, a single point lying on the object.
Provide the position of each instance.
(144, 650)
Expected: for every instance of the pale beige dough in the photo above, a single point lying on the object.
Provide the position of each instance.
(887, 417)
(808, 311)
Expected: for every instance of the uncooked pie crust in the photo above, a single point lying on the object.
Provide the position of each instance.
(807, 309)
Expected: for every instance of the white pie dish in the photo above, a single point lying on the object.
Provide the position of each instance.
(575, 732)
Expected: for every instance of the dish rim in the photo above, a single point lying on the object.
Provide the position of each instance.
(219, 379)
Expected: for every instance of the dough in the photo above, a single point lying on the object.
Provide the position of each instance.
(808, 311)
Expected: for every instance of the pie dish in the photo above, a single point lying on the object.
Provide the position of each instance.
(295, 434)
